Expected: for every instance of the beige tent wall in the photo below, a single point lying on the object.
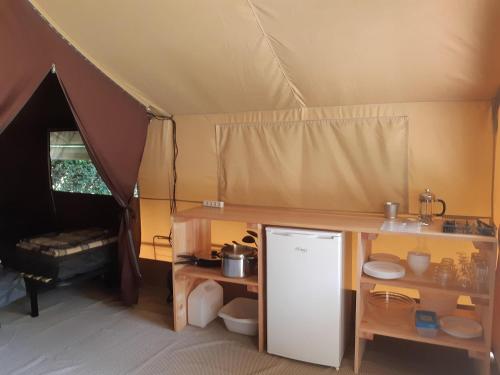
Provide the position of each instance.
(450, 151)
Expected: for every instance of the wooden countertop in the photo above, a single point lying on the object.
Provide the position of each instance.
(317, 219)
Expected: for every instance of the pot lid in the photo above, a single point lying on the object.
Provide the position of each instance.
(238, 251)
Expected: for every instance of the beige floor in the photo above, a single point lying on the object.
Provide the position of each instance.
(86, 330)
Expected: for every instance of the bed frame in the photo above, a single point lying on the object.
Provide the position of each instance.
(36, 283)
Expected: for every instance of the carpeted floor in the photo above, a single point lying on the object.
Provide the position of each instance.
(86, 330)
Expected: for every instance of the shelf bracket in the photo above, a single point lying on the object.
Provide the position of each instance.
(366, 335)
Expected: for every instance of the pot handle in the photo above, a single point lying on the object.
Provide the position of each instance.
(192, 262)
(444, 207)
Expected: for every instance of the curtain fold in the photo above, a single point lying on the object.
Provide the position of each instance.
(155, 174)
(113, 125)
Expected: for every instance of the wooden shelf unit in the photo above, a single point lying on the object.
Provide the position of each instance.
(367, 326)
(191, 229)
(192, 235)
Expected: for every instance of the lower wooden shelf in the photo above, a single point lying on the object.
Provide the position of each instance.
(405, 329)
(215, 274)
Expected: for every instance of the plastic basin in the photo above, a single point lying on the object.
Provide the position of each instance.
(241, 316)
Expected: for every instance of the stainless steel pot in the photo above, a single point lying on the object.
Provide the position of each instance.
(238, 260)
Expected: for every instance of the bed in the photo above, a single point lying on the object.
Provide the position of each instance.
(62, 258)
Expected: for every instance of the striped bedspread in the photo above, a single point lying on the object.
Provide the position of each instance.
(68, 243)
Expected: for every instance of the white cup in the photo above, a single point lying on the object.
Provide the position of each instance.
(418, 262)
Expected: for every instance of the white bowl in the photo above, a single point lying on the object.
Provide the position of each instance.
(418, 262)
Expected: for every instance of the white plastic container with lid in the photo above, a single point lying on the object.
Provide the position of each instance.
(241, 316)
(204, 303)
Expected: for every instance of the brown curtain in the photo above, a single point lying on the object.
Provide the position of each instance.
(113, 125)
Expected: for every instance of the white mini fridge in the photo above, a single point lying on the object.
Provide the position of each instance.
(305, 295)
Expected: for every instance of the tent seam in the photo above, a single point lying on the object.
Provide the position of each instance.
(293, 89)
(307, 121)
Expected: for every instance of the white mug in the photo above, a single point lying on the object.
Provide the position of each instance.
(418, 262)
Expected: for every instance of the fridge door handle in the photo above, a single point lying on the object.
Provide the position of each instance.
(303, 235)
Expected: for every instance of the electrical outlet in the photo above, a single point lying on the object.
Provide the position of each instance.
(216, 204)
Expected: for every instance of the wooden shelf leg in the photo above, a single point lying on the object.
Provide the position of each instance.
(190, 236)
(364, 250)
(180, 302)
(489, 250)
(483, 366)
(183, 286)
(360, 338)
(359, 351)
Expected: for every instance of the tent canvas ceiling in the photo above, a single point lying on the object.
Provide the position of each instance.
(195, 57)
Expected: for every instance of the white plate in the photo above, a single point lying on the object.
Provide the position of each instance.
(385, 257)
(460, 327)
(384, 270)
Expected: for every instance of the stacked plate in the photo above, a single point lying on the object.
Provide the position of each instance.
(385, 257)
(460, 327)
(391, 308)
(384, 270)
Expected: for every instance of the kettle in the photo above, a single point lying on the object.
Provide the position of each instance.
(426, 200)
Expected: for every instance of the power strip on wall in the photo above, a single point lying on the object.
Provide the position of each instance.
(216, 204)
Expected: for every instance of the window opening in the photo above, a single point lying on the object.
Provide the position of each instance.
(71, 168)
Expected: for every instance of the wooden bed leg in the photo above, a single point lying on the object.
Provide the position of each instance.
(33, 294)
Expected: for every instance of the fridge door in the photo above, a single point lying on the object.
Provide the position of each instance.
(304, 295)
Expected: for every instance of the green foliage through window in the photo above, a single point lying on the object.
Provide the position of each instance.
(77, 176)
(72, 170)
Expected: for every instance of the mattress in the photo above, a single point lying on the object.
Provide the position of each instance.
(68, 243)
(61, 256)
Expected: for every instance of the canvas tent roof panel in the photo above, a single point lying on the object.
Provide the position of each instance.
(356, 52)
(188, 56)
(197, 57)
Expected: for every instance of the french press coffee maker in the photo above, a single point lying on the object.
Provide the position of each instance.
(426, 200)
